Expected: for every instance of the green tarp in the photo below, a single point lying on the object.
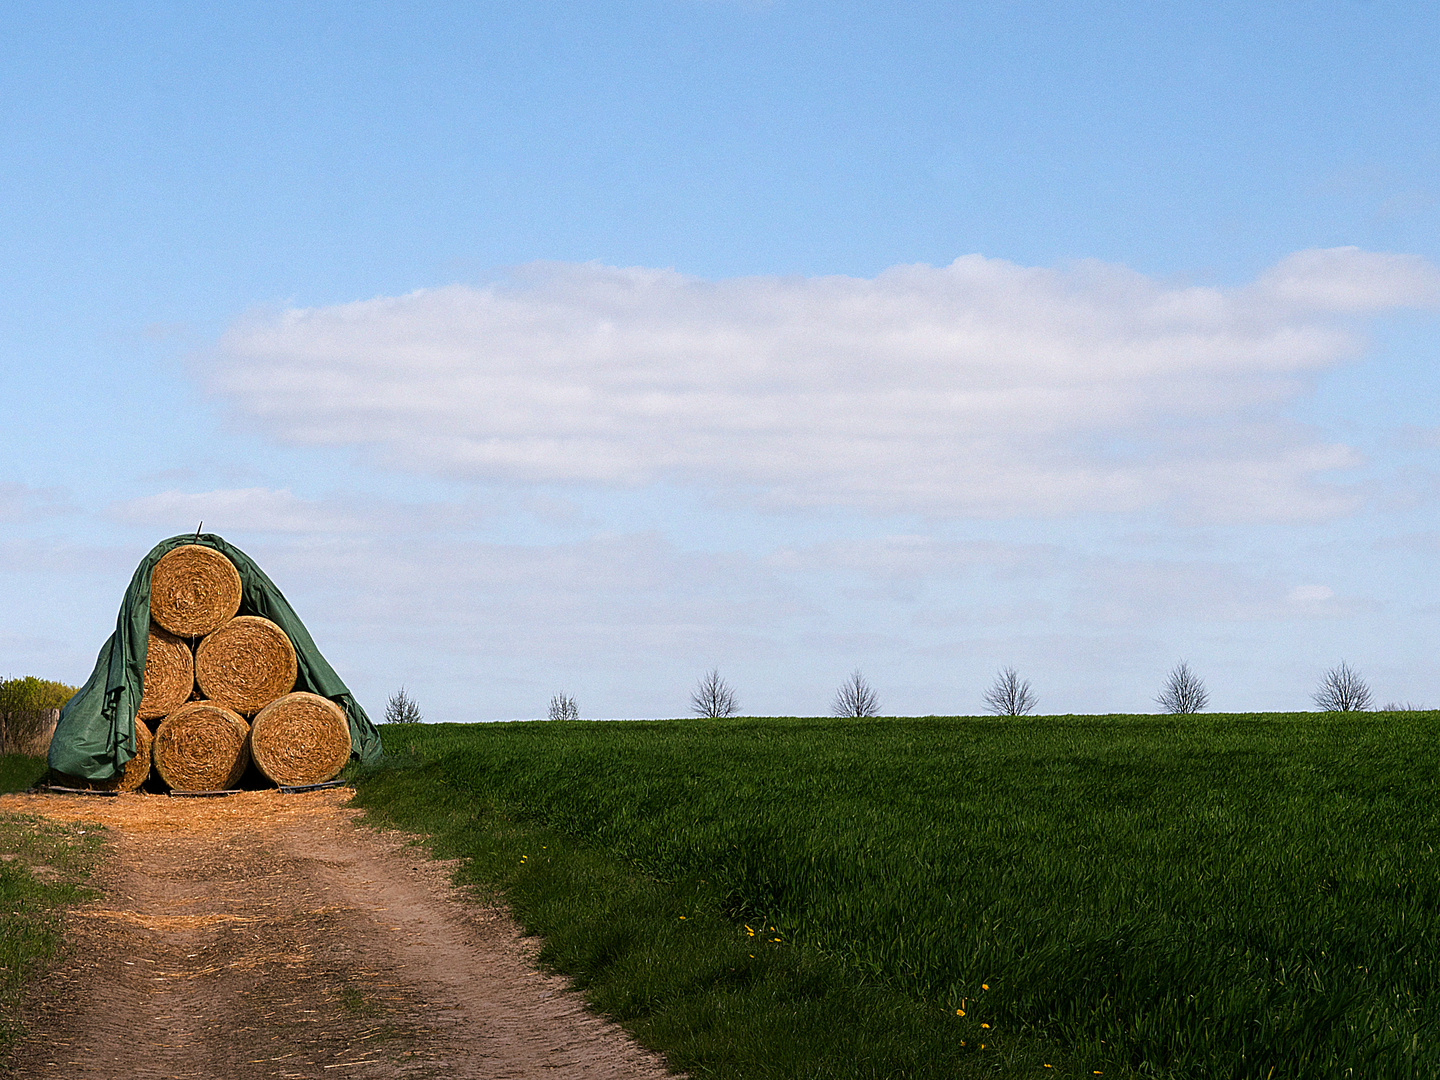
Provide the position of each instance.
(96, 733)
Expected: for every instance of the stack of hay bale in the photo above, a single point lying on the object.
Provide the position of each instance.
(208, 669)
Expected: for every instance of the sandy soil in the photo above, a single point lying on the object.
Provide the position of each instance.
(266, 935)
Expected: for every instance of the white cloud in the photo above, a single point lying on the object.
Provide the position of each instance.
(20, 502)
(1038, 580)
(1347, 279)
(258, 511)
(61, 556)
(981, 387)
(915, 556)
(241, 510)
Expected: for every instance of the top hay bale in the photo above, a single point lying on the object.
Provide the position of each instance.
(194, 590)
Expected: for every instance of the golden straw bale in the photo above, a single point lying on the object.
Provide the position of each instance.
(300, 739)
(246, 664)
(202, 746)
(169, 674)
(135, 773)
(194, 589)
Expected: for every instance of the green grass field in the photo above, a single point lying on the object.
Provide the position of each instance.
(1214, 896)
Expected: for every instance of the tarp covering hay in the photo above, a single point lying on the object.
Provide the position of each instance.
(169, 674)
(300, 739)
(193, 590)
(245, 664)
(202, 746)
(135, 773)
(96, 734)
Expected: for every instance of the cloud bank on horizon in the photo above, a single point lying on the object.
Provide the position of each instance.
(981, 388)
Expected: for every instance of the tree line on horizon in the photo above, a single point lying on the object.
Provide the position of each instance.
(1341, 689)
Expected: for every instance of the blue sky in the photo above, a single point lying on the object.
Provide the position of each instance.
(582, 347)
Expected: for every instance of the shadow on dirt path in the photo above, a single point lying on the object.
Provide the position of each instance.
(266, 935)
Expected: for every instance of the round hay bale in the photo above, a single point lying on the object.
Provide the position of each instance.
(300, 739)
(169, 674)
(135, 773)
(194, 589)
(246, 664)
(202, 746)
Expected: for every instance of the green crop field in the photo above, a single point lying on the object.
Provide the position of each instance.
(1211, 896)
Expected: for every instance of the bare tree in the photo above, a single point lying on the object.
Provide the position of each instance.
(1009, 695)
(713, 696)
(563, 707)
(1184, 691)
(1408, 706)
(401, 709)
(855, 698)
(1342, 690)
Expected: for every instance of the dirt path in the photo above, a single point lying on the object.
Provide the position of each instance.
(265, 935)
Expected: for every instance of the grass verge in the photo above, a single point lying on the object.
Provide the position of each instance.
(18, 772)
(1207, 896)
(43, 869)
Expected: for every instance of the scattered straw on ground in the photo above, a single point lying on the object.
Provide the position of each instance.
(143, 812)
(165, 922)
(300, 739)
(194, 590)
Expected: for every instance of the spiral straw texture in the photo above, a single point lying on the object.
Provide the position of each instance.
(300, 739)
(246, 664)
(202, 746)
(135, 773)
(169, 674)
(193, 590)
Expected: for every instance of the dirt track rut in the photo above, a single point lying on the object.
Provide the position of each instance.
(266, 935)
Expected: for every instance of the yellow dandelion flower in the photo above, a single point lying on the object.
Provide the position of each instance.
(984, 986)
(985, 1025)
(959, 1012)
